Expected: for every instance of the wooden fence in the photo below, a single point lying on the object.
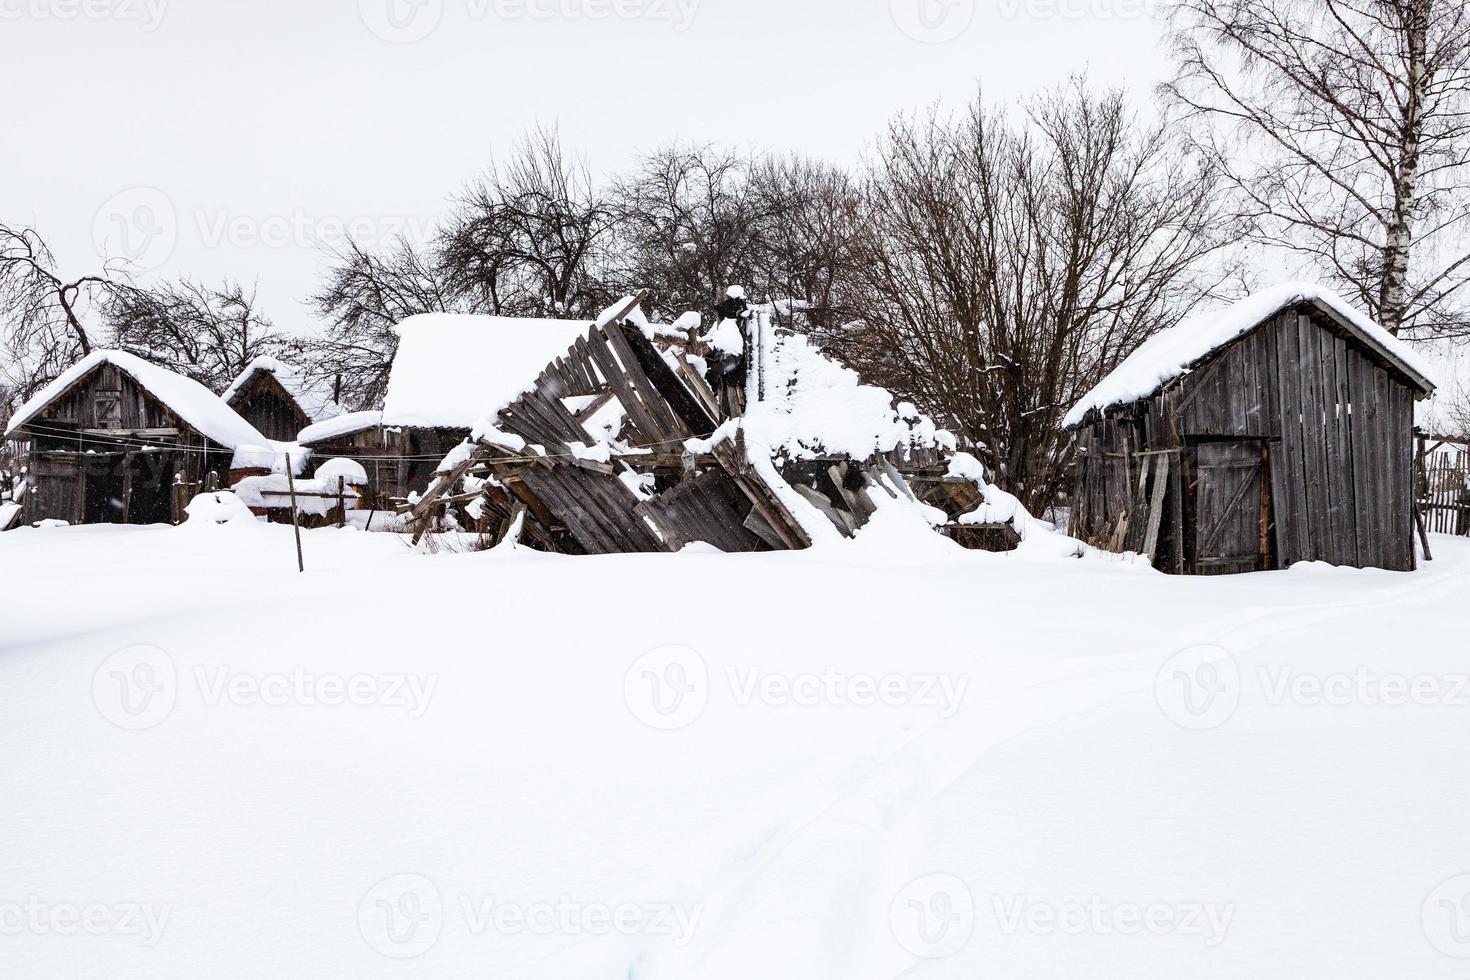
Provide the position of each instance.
(1443, 484)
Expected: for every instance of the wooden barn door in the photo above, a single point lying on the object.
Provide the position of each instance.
(1232, 506)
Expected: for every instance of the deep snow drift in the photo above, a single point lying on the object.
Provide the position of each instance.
(876, 758)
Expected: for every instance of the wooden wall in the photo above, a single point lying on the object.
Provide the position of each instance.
(1331, 423)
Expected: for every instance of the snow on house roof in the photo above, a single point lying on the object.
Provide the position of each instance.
(185, 397)
(1171, 353)
(452, 370)
(313, 397)
(342, 425)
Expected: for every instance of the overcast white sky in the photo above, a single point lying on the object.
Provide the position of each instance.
(215, 138)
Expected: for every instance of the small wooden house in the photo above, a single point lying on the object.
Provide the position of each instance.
(361, 436)
(1279, 430)
(118, 440)
(278, 399)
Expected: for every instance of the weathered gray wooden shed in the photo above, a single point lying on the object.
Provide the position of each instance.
(118, 440)
(1278, 431)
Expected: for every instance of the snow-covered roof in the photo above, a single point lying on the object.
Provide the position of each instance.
(313, 397)
(342, 425)
(1171, 353)
(185, 397)
(452, 370)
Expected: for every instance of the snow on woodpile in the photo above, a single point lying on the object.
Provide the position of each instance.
(313, 497)
(815, 406)
(185, 397)
(314, 397)
(271, 455)
(1000, 507)
(1171, 353)
(218, 507)
(453, 370)
(349, 423)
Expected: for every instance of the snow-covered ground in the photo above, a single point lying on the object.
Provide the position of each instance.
(879, 758)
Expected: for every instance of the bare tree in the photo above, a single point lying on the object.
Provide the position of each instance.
(207, 333)
(525, 239)
(365, 295)
(1346, 131)
(690, 222)
(810, 215)
(1008, 265)
(42, 324)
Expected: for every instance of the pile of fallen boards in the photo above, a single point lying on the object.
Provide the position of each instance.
(537, 474)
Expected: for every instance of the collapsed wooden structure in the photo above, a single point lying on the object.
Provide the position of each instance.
(620, 445)
(1280, 431)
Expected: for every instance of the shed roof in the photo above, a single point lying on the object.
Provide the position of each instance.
(1172, 353)
(185, 397)
(313, 397)
(342, 425)
(452, 370)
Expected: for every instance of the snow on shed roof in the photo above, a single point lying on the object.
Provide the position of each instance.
(185, 397)
(452, 370)
(1171, 353)
(342, 425)
(314, 397)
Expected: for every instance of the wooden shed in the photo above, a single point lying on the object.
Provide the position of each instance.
(279, 400)
(118, 440)
(361, 436)
(1279, 430)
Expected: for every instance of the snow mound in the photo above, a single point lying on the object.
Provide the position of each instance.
(219, 507)
(999, 507)
(350, 471)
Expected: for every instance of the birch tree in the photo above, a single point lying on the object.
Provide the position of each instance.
(1345, 127)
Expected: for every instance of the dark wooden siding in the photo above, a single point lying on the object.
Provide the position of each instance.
(270, 408)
